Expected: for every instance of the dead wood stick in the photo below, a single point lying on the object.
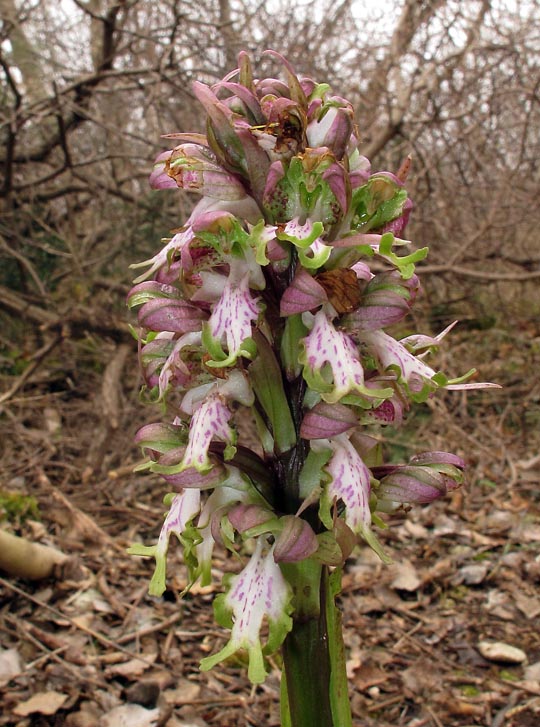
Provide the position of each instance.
(82, 523)
(528, 464)
(76, 623)
(22, 558)
(72, 324)
(111, 386)
(461, 271)
(123, 471)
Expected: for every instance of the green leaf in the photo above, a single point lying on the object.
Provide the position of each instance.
(339, 694)
(312, 472)
(267, 383)
(294, 331)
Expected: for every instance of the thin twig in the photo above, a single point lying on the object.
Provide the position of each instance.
(38, 358)
(110, 643)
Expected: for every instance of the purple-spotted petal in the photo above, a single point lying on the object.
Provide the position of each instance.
(183, 508)
(301, 234)
(332, 364)
(210, 423)
(231, 319)
(259, 591)
(390, 352)
(350, 482)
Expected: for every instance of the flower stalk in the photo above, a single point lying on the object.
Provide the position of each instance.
(265, 304)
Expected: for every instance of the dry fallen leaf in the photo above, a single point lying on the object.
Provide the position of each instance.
(527, 532)
(10, 665)
(405, 576)
(532, 672)
(184, 692)
(41, 703)
(499, 651)
(368, 675)
(130, 715)
(86, 716)
(133, 667)
(529, 606)
(422, 677)
(473, 574)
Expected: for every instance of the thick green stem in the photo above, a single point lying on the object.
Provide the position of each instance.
(315, 689)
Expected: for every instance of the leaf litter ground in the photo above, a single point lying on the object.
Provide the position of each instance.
(429, 639)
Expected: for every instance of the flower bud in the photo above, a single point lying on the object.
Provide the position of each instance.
(297, 541)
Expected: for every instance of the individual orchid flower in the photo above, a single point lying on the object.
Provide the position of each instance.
(349, 482)
(209, 423)
(313, 185)
(159, 179)
(260, 591)
(208, 531)
(332, 125)
(332, 365)
(178, 369)
(183, 507)
(379, 201)
(231, 322)
(245, 209)
(419, 378)
(385, 301)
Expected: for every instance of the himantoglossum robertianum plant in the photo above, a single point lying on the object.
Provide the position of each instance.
(274, 304)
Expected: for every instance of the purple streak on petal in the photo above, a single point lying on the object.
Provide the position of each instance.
(351, 483)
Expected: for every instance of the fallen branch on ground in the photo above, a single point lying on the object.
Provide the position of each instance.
(24, 559)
